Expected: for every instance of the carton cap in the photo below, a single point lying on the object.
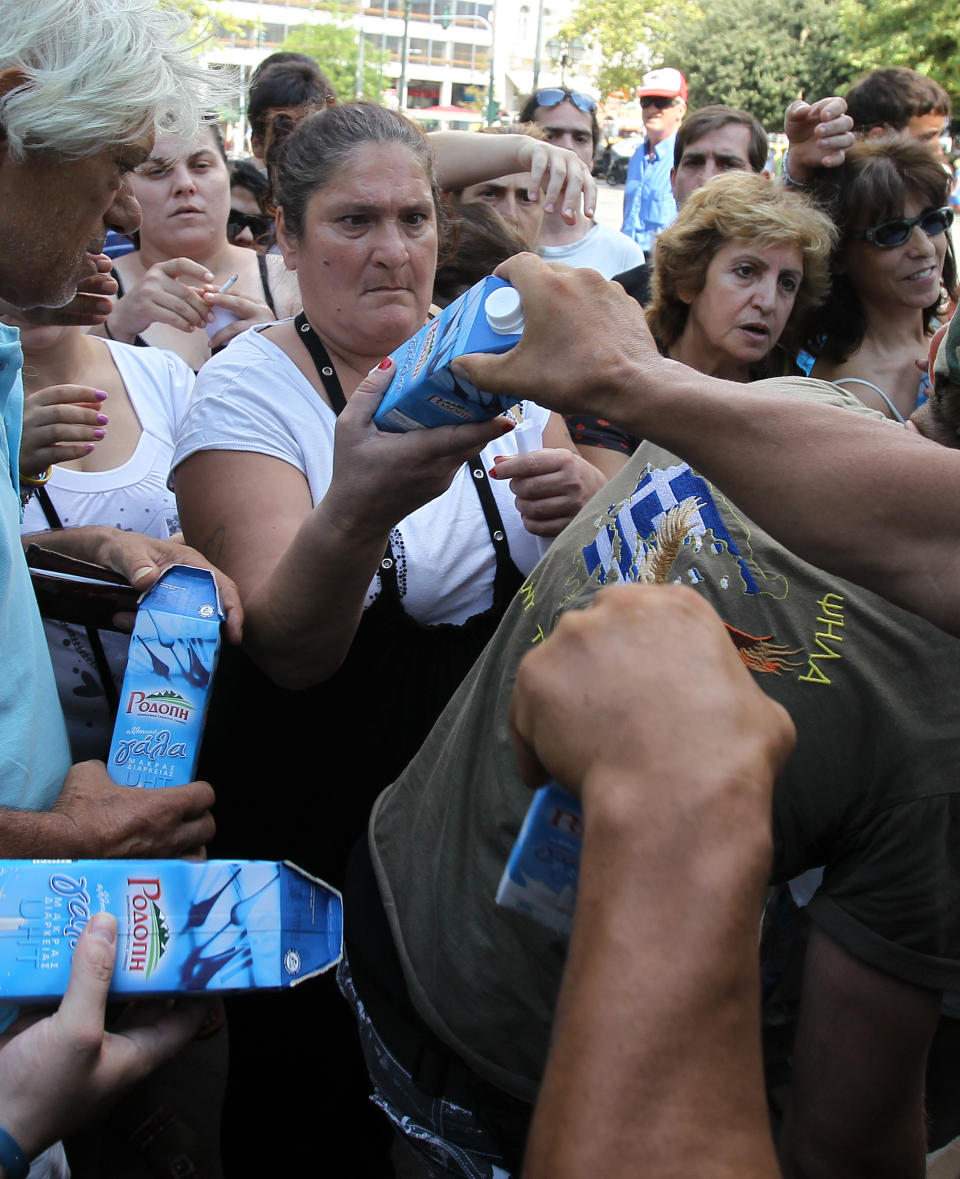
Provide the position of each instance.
(504, 311)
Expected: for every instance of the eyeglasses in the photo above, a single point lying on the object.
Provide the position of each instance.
(554, 96)
(889, 234)
(256, 223)
(658, 101)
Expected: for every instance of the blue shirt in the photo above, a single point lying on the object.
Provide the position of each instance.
(34, 755)
(648, 201)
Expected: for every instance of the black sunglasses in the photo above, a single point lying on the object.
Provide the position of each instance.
(889, 234)
(257, 223)
(554, 96)
(658, 101)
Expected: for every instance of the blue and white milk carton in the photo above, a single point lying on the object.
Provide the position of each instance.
(424, 391)
(166, 687)
(541, 876)
(184, 926)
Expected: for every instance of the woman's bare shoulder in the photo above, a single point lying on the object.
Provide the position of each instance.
(284, 287)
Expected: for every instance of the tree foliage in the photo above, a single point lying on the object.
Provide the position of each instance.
(209, 20)
(921, 34)
(334, 45)
(761, 54)
(626, 32)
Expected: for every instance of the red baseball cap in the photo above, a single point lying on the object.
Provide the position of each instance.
(664, 83)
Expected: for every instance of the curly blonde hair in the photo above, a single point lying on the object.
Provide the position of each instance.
(737, 207)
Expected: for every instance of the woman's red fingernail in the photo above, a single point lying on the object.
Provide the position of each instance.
(385, 363)
(492, 472)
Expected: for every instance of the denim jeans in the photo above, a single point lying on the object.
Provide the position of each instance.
(445, 1139)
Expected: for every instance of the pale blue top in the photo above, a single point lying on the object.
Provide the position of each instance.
(34, 755)
(648, 201)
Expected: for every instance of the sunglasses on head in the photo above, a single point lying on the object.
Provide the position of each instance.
(888, 234)
(255, 222)
(554, 96)
(658, 101)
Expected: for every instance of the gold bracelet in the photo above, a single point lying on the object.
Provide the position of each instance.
(37, 480)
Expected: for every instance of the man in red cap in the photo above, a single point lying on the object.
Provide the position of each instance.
(648, 203)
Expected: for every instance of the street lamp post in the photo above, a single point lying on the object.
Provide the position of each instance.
(565, 53)
(404, 56)
(358, 87)
(492, 105)
(539, 46)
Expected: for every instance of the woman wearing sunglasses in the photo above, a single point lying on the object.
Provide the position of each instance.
(892, 268)
(247, 224)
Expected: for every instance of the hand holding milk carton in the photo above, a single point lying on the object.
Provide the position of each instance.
(425, 391)
(166, 687)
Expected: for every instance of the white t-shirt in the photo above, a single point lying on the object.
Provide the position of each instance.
(134, 497)
(252, 397)
(601, 248)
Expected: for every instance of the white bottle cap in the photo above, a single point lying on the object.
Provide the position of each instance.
(504, 311)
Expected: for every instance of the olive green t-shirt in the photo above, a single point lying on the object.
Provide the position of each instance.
(872, 791)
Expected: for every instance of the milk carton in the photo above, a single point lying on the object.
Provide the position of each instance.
(540, 878)
(424, 391)
(184, 926)
(166, 687)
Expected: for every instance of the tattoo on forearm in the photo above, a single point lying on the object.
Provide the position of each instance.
(215, 543)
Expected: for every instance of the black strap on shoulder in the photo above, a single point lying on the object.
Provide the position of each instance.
(265, 281)
(50, 513)
(494, 521)
(324, 365)
(491, 513)
(52, 517)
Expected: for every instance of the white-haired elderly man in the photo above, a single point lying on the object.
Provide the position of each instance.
(82, 85)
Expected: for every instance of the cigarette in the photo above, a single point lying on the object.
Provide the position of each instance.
(229, 283)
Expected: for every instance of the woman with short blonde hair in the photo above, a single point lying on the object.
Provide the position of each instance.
(733, 214)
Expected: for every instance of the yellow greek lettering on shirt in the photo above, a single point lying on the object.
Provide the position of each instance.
(831, 622)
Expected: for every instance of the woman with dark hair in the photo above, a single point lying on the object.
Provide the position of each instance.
(893, 272)
(247, 223)
(373, 566)
(362, 557)
(481, 240)
(283, 81)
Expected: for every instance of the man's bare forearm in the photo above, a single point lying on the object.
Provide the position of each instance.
(860, 498)
(28, 835)
(85, 544)
(655, 1064)
(850, 494)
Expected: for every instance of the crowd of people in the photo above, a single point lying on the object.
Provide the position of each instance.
(701, 574)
